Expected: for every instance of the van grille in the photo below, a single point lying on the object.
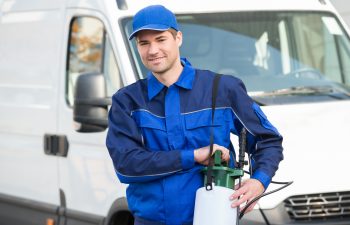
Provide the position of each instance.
(323, 206)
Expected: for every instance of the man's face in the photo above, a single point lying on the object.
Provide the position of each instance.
(159, 50)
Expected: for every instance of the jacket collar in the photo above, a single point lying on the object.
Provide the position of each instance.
(185, 80)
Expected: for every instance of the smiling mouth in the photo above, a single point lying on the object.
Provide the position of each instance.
(156, 59)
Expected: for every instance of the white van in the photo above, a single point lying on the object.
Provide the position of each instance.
(293, 55)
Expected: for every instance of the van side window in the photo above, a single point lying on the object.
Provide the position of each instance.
(110, 69)
(90, 51)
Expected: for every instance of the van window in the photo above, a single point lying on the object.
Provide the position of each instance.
(89, 51)
(282, 57)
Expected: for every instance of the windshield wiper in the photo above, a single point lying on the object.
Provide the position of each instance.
(307, 90)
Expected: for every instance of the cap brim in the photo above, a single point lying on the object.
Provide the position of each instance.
(158, 27)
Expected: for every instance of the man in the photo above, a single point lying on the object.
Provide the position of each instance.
(159, 128)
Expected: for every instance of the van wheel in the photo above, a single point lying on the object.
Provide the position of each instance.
(122, 218)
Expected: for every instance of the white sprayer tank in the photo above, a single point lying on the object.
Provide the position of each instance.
(214, 207)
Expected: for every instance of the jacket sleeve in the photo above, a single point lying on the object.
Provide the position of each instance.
(264, 141)
(132, 161)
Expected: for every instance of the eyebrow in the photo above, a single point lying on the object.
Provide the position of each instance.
(157, 38)
(161, 36)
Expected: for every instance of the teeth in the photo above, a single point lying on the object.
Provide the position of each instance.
(155, 59)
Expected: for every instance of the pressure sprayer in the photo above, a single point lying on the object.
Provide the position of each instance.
(213, 205)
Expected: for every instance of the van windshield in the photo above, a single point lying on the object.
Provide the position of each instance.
(282, 57)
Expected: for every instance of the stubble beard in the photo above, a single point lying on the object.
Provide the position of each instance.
(163, 68)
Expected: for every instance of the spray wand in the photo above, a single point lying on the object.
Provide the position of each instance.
(241, 162)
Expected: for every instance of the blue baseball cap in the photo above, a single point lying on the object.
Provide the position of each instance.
(154, 17)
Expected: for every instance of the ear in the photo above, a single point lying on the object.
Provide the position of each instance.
(179, 38)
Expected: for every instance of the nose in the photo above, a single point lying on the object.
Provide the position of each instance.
(153, 49)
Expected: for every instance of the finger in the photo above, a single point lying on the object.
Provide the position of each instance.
(214, 150)
(205, 162)
(227, 156)
(224, 151)
(219, 147)
(223, 156)
(250, 208)
(237, 187)
(215, 147)
(237, 203)
(241, 191)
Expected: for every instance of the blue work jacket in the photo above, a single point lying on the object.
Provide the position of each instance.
(154, 130)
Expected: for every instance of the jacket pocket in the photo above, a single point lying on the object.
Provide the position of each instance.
(203, 119)
(146, 119)
(198, 128)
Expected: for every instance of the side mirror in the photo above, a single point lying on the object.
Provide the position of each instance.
(90, 103)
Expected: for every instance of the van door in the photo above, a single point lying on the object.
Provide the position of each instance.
(87, 176)
(28, 115)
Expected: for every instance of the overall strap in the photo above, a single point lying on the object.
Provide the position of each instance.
(209, 175)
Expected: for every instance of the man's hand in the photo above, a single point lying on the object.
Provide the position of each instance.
(249, 189)
(201, 155)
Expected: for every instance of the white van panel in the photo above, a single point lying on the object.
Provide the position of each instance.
(28, 101)
(24, 5)
(87, 175)
(315, 144)
(26, 171)
(28, 82)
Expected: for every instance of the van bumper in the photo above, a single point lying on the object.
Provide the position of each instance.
(279, 216)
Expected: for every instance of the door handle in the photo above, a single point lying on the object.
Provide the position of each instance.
(56, 145)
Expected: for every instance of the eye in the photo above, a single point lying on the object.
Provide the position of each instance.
(143, 43)
(161, 39)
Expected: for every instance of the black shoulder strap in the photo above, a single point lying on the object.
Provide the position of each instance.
(208, 185)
